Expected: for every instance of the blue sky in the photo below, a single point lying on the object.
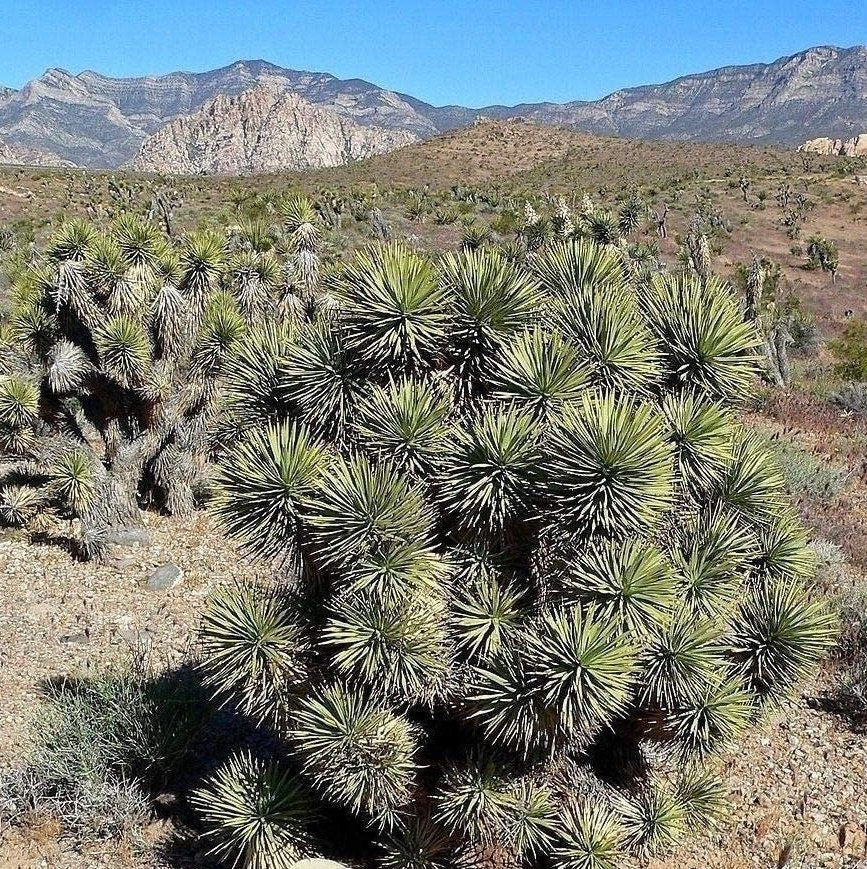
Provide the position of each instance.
(472, 53)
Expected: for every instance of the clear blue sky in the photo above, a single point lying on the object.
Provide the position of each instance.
(473, 53)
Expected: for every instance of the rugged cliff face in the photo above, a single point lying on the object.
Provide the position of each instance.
(262, 130)
(854, 147)
(97, 121)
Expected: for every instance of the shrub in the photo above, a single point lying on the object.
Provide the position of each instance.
(519, 535)
(108, 373)
(852, 396)
(850, 351)
(807, 475)
(851, 652)
(102, 745)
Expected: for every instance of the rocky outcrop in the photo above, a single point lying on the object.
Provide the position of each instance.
(854, 147)
(262, 130)
(16, 155)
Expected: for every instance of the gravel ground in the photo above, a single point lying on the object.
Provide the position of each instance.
(798, 780)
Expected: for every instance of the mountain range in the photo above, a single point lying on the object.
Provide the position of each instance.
(97, 121)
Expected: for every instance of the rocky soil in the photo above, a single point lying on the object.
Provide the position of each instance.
(799, 781)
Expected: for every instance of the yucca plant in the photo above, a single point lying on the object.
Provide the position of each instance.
(109, 369)
(521, 532)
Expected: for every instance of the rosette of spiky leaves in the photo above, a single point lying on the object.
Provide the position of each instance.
(777, 636)
(417, 843)
(202, 258)
(254, 649)
(34, 328)
(492, 475)
(262, 483)
(703, 435)
(590, 837)
(539, 371)
(487, 613)
(630, 582)
(576, 266)
(74, 477)
(67, 367)
(706, 344)
(491, 298)
(583, 667)
(405, 423)
(359, 508)
(393, 310)
(476, 235)
(609, 466)
(629, 214)
(316, 376)
(703, 796)
(222, 327)
(508, 706)
(679, 660)
(251, 378)
(169, 310)
(124, 351)
(653, 820)
(19, 503)
(712, 553)
(471, 800)
(254, 278)
(19, 410)
(301, 221)
(358, 754)
(256, 814)
(396, 647)
(530, 813)
(782, 551)
(602, 227)
(752, 484)
(713, 718)
(396, 572)
(604, 324)
(122, 292)
(71, 242)
(141, 244)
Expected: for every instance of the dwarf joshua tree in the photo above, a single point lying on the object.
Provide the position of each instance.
(530, 570)
(115, 341)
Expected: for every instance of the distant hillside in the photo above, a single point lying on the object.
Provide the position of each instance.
(262, 130)
(97, 121)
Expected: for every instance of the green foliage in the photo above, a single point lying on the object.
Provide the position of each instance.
(102, 746)
(516, 523)
(850, 351)
(256, 813)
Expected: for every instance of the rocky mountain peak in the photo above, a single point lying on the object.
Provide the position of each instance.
(264, 129)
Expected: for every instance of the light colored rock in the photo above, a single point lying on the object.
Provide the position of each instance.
(166, 576)
(128, 537)
(317, 864)
(854, 147)
(262, 130)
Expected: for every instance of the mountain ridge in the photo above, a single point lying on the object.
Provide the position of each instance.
(100, 121)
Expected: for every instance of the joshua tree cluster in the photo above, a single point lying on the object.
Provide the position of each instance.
(530, 573)
(110, 360)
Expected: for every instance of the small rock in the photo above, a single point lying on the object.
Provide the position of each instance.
(164, 577)
(317, 864)
(80, 639)
(128, 537)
